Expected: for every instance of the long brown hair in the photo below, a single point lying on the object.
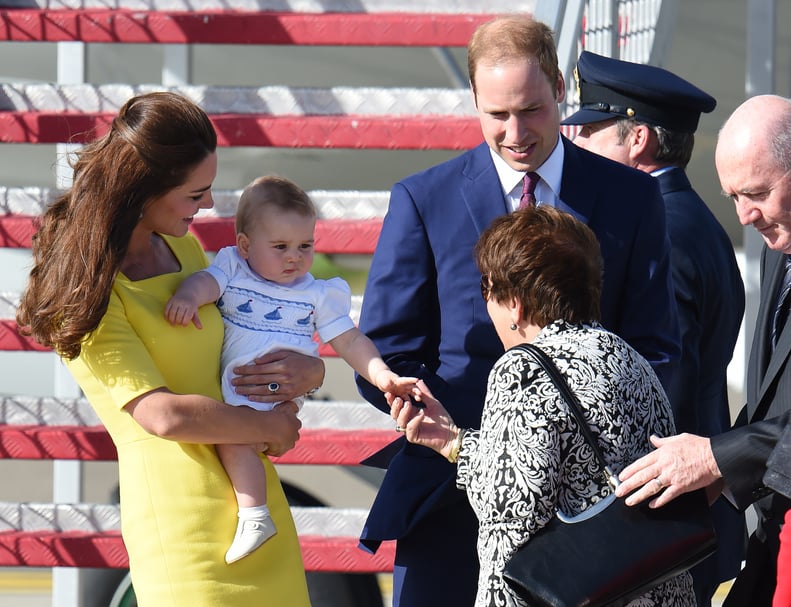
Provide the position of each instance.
(152, 145)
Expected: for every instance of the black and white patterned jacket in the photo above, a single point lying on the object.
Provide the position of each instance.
(529, 459)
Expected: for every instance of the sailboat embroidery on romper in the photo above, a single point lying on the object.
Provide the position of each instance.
(306, 320)
(274, 314)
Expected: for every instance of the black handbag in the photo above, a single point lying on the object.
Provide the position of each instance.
(611, 552)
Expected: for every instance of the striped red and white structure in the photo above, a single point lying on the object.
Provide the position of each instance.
(369, 118)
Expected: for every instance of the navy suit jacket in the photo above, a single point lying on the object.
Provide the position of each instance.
(710, 299)
(423, 308)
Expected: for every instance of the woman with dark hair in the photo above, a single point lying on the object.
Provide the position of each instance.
(541, 278)
(108, 255)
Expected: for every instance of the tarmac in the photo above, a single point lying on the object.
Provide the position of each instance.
(24, 587)
(28, 587)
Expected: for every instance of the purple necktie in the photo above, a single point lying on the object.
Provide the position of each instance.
(528, 187)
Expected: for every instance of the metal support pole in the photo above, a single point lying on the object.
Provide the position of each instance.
(456, 74)
(177, 65)
(568, 41)
(759, 80)
(67, 475)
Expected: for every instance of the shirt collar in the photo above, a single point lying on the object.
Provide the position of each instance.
(659, 172)
(551, 173)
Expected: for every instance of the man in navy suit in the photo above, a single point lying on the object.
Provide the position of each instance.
(423, 307)
(753, 159)
(645, 117)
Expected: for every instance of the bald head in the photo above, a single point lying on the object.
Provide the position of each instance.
(753, 159)
(761, 125)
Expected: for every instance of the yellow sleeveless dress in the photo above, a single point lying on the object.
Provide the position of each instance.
(178, 510)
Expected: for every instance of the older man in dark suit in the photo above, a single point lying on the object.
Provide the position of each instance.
(422, 303)
(753, 159)
(645, 117)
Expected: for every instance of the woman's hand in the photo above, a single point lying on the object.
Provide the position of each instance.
(283, 425)
(429, 425)
(194, 418)
(279, 376)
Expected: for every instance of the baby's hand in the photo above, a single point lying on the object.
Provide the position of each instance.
(180, 311)
(393, 384)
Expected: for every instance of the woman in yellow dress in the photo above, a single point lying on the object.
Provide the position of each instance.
(108, 255)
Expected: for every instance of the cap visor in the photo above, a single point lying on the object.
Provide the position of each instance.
(587, 117)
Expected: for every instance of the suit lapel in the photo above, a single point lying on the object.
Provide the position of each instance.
(481, 189)
(760, 358)
(578, 190)
(483, 193)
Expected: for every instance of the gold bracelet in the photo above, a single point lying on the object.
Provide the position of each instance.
(453, 456)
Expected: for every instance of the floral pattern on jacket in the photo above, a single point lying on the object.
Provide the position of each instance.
(529, 459)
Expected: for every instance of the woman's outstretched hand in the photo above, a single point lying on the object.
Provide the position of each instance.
(429, 424)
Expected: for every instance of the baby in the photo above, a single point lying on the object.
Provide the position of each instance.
(269, 301)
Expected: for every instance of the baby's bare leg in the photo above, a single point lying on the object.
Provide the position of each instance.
(248, 478)
(246, 471)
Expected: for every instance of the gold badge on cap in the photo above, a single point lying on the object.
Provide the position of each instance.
(578, 98)
(630, 112)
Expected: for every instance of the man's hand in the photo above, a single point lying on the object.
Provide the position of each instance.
(679, 464)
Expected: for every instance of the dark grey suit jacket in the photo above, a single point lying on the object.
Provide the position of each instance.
(742, 453)
(778, 469)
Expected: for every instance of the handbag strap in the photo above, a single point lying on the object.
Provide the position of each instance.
(539, 356)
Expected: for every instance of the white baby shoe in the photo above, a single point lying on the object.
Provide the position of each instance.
(250, 534)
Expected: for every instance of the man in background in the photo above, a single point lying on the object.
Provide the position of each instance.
(753, 159)
(645, 117)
